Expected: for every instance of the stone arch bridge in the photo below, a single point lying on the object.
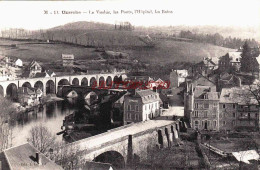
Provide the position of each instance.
(133, 142)
(51, 84)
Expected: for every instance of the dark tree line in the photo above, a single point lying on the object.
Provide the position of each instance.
(218, 39)
(248, 61)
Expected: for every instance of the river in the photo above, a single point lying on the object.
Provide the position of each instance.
(51, 116)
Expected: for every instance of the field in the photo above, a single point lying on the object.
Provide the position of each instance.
(43, 52)
(164, 52)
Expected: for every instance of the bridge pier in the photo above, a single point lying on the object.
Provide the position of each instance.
(165, 141)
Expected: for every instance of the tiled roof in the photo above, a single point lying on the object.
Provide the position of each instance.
(201, 91)
(240, 95)
(23, 157)
(37, 75)
(148, 96)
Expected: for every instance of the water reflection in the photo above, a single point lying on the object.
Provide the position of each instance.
(51, 115)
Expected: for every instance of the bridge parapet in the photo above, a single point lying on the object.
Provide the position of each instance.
(133, 139)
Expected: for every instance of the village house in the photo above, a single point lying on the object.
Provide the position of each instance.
(206, 67)
(6, 74)
(67, 60)
(177, 77)
(238, 109)
(29, 96)
(141, 105)
(25, 157)
(201, 106)
(46, 73)
(18, 63)
(226, 80)
(34, 67)
(230, 61)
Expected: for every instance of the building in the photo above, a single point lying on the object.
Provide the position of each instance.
(230, 61)
(33, 68)
(67, 60)
(238, 109)
(206, 67)
(201, 107)
(29, 96)
(18, 63)
(25, 157)
(177, 77)
(228, 80)
(141, 105)
(6, 74)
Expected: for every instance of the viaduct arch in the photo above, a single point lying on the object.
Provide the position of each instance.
(50, 84)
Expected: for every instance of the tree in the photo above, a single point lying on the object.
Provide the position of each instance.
(246, 59)
(41, 138)
(7, 115)
(65, 155)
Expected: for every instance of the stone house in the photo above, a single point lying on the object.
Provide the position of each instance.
(238, 109)
(67, 60)
(230, 61)
(141, 105)
(202, 107)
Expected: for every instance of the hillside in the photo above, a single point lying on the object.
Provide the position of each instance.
(91, 35)
(164, 52)
(84, 25)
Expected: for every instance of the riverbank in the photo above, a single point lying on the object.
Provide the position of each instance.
(36, 105)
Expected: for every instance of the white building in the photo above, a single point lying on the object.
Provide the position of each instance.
(18, 63)
(177, 77)
(141, 105)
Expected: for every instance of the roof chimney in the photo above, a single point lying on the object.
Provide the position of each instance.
(38, 158)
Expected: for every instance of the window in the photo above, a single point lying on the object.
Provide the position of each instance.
(206, 105)
(135, 116)
(214, 123)
(224, 106)
(196, 105)
(128, 107)
(196, 123)
(224, 122)
(234, 114)
(209, 123)
(132, 108)
(205, 113)
(196, 113)
(234, 106)
(215, 104)
(136, 108)
(205, 96)
(248, 115)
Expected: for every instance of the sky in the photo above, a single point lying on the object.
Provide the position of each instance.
(30, 15)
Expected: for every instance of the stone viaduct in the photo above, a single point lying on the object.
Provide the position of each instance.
(51, 84)
(127, 144)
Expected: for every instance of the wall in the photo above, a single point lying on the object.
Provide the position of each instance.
(211, 116)
(227, 116)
